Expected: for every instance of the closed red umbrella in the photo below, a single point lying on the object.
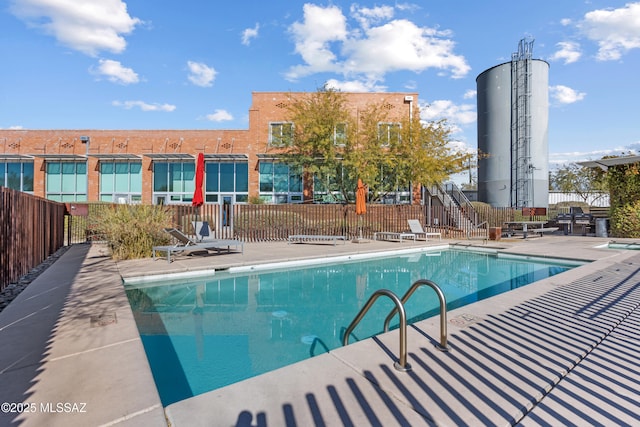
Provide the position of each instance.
(198, 198)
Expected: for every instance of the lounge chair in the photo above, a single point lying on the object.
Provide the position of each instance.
(416, 228)
(391, 235)
(302, 238)
(185, 243)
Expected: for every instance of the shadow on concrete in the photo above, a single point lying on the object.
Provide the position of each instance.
(27, 329)
(566, 357)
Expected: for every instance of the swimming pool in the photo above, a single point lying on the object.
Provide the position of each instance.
(202, 333)
(634, 246)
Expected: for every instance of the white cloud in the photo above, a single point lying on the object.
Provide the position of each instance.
(401, 45)
(88, 26)
(470, 94)
(567, 51)
(313, 36)
(410, 7)
(144, 106)
(355, 86)
(565, 95)
(367, 16)
(411, 85)
(201, 74)
(378, 45)
(115, 72)
(615, 30)
(250, 33)
(219, 116)
(456, 114)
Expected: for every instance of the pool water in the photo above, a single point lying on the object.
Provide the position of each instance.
(203, 333)
(623, 245)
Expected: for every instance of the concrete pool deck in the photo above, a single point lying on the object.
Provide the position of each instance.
(561, 351)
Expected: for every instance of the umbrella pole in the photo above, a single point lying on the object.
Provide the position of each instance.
(360, 239)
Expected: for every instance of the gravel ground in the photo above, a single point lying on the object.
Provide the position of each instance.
(12, 290)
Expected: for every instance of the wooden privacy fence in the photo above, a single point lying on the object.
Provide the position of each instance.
(31, 229)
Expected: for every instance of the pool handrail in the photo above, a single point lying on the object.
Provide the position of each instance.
(401, 364)
(443, 310)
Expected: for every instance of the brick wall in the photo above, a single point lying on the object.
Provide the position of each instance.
(266, 107)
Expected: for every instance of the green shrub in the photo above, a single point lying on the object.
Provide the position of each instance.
(256, 200)
(625, 220)
(132, 230)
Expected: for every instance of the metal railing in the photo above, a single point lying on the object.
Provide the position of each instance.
(399, 309)
(401, 364)
(442, 346)
(265, 223)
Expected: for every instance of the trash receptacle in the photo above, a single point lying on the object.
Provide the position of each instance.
(601, 227)
(495, 233)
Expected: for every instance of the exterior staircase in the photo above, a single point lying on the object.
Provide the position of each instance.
(459, 210)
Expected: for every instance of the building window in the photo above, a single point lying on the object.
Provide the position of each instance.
(280, 183)
(17, 175)
(389, 190)
(121, 182)
(226, 178)
(340, 135)
(389, 133)
(327, 189)
(173, 182)
(280, 134)
(66, 181)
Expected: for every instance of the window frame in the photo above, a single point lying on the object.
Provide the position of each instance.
(240, 190)
(130, 194)
(275, 195)
(25, 179)
(387, 129)
(78, 194)
(343, 136)
(283, 138)
(187, 184)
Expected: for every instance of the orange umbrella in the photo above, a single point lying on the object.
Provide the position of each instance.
(361, 198)
(361, 208)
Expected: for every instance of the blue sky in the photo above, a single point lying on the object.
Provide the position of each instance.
(169, 64)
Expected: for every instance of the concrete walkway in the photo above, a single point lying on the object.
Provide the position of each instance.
(562, 351)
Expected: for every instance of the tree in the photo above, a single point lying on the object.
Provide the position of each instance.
(580, 180)
(322, 129)
(387, 152)
(409, 151)
(624, 184)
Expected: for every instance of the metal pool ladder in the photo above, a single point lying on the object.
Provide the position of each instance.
(443, 310)
(402, 364)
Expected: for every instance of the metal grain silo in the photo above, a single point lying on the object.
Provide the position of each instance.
(513, 123)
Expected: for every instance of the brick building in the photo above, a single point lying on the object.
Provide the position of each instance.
(158, 166)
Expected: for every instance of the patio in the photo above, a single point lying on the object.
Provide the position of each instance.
(560, 351)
